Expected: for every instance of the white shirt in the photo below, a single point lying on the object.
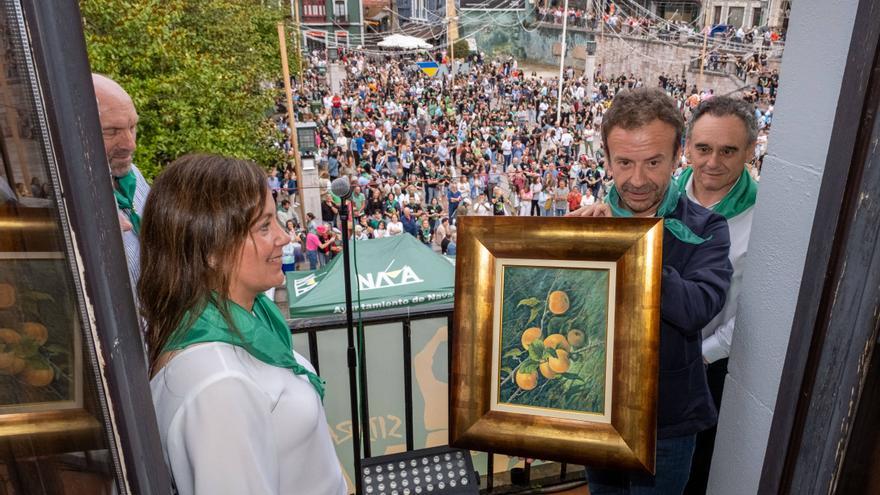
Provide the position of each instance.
(395, 228)
(231, 424)
(718, 334)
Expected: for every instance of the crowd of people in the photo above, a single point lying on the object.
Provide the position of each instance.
(637, 22)
(423, 151)
(420, 152)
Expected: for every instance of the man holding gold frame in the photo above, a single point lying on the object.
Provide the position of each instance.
(642, 134)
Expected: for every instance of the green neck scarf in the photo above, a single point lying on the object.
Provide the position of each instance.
(124, 192)
(263, 333)
(740, 198)
(678, 229)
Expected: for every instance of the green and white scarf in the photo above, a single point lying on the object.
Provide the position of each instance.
(670, 200)
(263, 333)
(739, 199)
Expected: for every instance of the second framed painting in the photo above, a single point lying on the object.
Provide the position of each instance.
(556, 331)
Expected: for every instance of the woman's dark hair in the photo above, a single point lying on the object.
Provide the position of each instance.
(197, 218)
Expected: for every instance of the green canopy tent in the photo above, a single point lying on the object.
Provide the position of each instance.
(390, 272)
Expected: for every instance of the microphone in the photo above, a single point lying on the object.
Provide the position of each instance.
(341, 187)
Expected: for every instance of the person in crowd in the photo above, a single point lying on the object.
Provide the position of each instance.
(238, 410)
(642, 133)
(499, 202)
(380, 231)
(119, 121)
(410, 223)
(425, 234)
(721, 139)
(560, 199)
(395, 226)
(315, 246)
(329, 210)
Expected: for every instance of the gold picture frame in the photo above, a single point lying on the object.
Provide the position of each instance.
(601, 275)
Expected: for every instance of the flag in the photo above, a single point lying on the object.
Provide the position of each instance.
(429, 68)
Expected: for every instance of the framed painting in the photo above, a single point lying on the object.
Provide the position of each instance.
(555, 339)
(42, 400)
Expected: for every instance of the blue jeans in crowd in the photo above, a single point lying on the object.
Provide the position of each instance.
(312, 256)
(560, 212)
(673, 466)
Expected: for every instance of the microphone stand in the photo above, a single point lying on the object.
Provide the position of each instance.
(352, 356)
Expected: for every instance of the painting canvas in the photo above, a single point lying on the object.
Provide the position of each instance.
(40, 357)
(551, 350)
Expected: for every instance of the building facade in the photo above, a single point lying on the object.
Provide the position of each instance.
(741, 13)
(330, 23)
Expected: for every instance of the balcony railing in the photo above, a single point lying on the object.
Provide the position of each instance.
(406, 400)
(660, 34)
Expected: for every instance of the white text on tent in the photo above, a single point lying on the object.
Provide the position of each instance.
(386, 279)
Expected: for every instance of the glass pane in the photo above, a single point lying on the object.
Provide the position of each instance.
(53, 426)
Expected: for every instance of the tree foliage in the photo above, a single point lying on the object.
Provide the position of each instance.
(200, 73)
(461, 48)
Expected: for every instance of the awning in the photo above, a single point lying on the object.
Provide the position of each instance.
(404, 42)
(392, 272)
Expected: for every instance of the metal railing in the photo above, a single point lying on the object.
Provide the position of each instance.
(656, 34)
(314, 329)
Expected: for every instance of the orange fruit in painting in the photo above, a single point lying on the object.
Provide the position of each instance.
(6, 358)
(557, 302)
(527, 381)
(9, 336)
(37, 374)
(7, 296)
(546, 371)
(556, 341)
(15, 367)
(576, 338)
(561, 362)
(529, 336)
(36, 332)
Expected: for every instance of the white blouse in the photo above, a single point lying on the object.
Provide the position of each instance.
(231, 424)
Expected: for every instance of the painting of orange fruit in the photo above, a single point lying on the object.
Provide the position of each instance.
(553, 338)
(38, 344)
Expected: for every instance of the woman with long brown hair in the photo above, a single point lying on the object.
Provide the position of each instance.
(238, 410)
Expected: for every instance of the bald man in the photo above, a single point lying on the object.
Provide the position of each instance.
(119, 128)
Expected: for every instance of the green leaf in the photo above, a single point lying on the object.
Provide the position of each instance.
(535, 312)
(38, 296)
(536, 351)
(56, 349)
(513, 353)
(506, 369)
(550, 352)
(532, 301)
(529, 367)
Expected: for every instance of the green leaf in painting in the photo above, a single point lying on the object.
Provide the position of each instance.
(506, 369)
(529, 367)
(533, 315)
(549, 352)
(39, 296)
(513, 353)
(536, 351)
(532, 301)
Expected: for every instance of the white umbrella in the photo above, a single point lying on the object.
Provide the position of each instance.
(404, 42)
